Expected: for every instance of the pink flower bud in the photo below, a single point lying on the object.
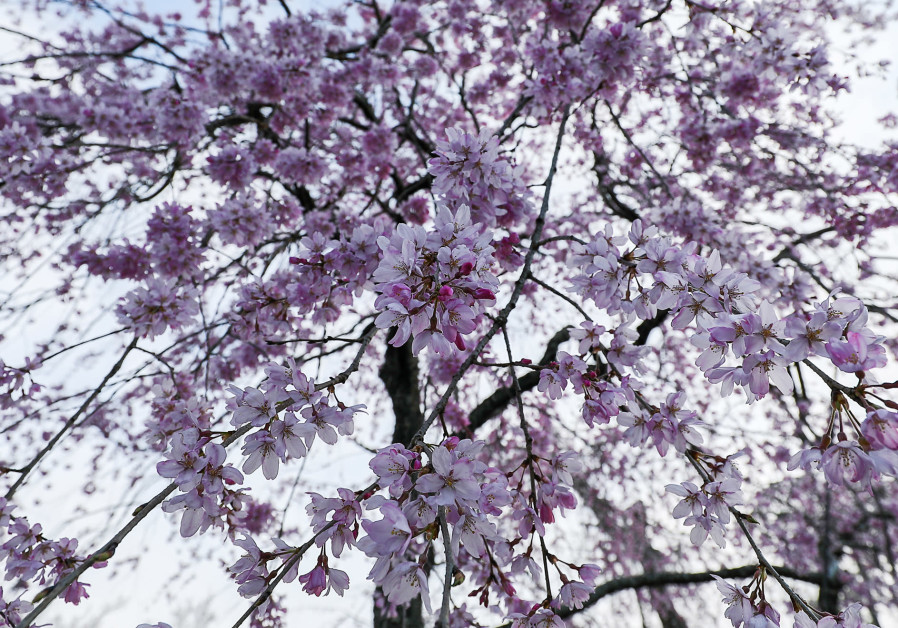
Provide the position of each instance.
(545, 513)
(507, 587)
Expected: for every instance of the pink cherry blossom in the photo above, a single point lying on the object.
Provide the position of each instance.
(451, 481)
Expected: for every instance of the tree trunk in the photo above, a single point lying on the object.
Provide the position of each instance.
(828, 600)
(399, 374)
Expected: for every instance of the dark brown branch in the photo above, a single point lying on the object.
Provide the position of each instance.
(645, 327)
(663, 579)
(405, 191)
(493, 405)
(807, 237)
(399, 374)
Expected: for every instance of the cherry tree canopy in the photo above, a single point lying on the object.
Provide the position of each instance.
(593, 285)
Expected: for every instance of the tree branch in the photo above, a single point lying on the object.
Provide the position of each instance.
(663, 579)
(493, 405)
(108, 548)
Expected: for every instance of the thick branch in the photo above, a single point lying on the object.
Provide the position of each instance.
(399, 374)
(645, 327)
(493, 405)
(663, 579)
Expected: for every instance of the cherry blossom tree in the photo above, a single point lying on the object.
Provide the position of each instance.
(594, 285)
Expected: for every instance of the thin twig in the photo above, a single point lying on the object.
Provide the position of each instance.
(528, 444)
(562, 296)
(796, 599)
(44, 359)
(70, 423)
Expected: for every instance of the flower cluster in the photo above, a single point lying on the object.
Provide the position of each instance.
(707, 509)
(289, 391)
(872, 453)
(670, 424)
(469, 172)
(435, 284)
(173, 241)
(231, 166)
(848, 618)
(28, 555)
(238, 220)
(473, 498)
(747, 607)
(12, 380)
(160, 305)
(602, 398)
(718, 304)
(174, 408)
(335, 519)
(767, 344)
(330, 271)
(198, 467)
(119, 261)
(252, 571)
(12, 611)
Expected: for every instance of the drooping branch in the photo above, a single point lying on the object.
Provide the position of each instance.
(796, 599)
(24, 471)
